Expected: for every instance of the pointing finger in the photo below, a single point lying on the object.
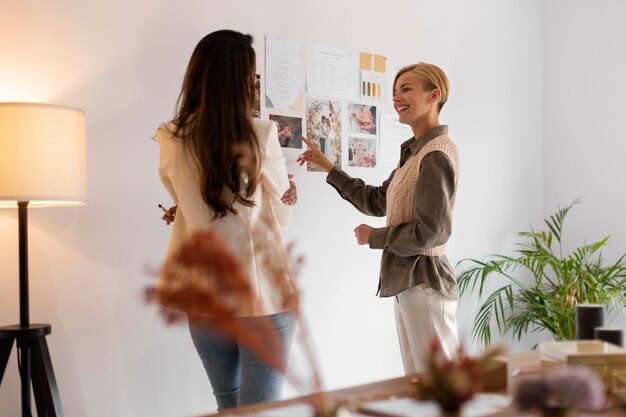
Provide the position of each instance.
(309, 143)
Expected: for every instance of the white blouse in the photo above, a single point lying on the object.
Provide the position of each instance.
(179, 173)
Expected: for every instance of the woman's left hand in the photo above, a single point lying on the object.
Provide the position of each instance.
(170, 214)
(290, 197)
(362, 233)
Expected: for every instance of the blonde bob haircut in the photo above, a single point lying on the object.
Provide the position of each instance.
(432, 77)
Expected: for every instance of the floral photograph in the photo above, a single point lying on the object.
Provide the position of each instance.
(323, 128)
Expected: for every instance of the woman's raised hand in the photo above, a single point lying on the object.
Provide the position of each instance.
(314, 156)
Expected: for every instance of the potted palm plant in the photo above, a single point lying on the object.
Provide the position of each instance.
(541, 285)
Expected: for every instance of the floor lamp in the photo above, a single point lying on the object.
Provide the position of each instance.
(42, 164)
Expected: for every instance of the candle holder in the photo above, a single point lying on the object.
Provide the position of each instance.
(610, 334)
(588, 317)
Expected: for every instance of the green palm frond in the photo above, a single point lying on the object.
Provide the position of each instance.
(555, 221)
(493, 307)
(538, 288)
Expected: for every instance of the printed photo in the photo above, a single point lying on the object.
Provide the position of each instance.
(323, 128)
(289, 130)
(362, 118)
(362, 152)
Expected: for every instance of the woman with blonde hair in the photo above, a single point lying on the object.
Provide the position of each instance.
(225, 172)
(418, 200)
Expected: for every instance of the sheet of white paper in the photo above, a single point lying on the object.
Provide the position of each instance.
(332, 72)
(392, 135)
(481, 405)
(484, 404)
(403, 407)
(284, 74)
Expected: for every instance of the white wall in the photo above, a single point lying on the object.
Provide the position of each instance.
(583, 97)
(122, 62)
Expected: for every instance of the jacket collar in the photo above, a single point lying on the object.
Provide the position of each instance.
(416, 145)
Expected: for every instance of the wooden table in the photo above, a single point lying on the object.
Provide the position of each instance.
(353, 398)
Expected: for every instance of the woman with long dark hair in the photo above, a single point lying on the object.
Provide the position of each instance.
(225, 171)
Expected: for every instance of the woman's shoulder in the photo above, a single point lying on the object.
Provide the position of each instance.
(266, 132)
(442, 141)
(262, 126)
(165, 132)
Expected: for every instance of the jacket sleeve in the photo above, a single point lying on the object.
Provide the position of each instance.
(164, 159)
(274, 176)
(432, 227)
(368, 199)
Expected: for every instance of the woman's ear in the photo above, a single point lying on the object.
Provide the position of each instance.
(435, 95)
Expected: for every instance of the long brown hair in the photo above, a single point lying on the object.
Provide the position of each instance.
(213, 118)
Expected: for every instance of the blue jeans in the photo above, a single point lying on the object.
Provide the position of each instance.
(238, 377)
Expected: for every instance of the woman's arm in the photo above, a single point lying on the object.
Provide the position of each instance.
(274, 176)
(368, 199)
(165, 154)
(434, 190)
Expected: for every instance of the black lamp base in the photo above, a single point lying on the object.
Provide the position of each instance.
(31, 343)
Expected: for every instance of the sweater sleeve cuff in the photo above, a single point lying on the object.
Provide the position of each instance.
(377, 238)
(337, 178)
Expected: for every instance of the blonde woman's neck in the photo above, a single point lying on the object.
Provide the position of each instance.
(422, 126)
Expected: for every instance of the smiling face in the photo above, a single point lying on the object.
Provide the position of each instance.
(412, 103)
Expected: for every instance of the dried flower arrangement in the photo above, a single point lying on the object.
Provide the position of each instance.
(451, 382)
(558, 393)
(209, 281)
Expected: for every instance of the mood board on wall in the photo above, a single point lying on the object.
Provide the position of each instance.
(337, 98)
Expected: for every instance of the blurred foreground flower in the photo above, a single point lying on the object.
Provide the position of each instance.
(557, 393)
(452, 382)
(205, 279)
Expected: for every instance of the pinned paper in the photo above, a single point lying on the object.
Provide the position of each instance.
(284, 74)
(373, 62)
(332, 72)
(373, 77)
(380, 63)
(366, 61)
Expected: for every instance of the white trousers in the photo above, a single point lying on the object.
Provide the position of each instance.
(421, 315)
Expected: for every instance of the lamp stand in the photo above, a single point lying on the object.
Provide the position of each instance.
(34, 360)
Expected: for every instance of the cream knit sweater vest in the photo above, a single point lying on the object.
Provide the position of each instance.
(401, 191)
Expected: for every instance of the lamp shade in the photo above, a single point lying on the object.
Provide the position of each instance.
(42, 155)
